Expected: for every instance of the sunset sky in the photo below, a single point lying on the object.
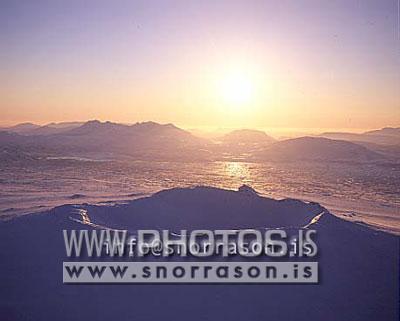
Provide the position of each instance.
(260, 64)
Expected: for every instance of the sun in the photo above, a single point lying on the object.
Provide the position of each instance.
(236, 90)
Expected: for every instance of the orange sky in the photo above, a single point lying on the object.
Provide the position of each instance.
(208, 65)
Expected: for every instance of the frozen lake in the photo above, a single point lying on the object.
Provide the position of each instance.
(367, 193)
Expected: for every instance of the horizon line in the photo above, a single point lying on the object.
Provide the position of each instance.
(207, 128)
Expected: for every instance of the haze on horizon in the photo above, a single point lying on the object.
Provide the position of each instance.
(256, 64)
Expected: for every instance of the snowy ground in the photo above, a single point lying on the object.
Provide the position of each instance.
(358, 266)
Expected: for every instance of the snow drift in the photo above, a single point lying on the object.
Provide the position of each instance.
(358, 266)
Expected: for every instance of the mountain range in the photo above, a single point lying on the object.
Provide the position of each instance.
(385, 136)
(154, 141)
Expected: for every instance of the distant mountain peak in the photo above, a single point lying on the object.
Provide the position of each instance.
(319, 148)
(22, 128)
(98, 124)
(151, 123)
(391, 131)
(170, 125)
(383, 136)
(93, 122)
(248, 136)
(246, 189)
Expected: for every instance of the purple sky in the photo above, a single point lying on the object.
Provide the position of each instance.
(338, 61)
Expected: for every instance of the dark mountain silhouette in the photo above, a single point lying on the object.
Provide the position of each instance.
(385, 136)
(150, 140)
(386, 131)
(358, 266)
(54, 128)
(33, 129)
(21, 128)
(239, 144)
(315, 148)
(247, 136)
(141, 140)
(209, 207)
(146, 139)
